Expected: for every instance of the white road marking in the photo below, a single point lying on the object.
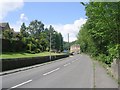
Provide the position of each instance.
(21, 84)
(51, 71)
(67, 64)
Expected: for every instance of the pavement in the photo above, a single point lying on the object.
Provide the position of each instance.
(73, 72)
(102, 78)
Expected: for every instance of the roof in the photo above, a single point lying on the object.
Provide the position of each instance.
(3, 24)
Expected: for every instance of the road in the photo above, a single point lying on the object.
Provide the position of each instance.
(72, 72)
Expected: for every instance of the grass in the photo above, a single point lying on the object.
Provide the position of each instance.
(25, 55)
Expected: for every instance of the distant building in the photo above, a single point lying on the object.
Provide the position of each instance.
(75, 48)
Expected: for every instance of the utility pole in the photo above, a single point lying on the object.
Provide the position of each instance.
(68, 44)
(50, 46)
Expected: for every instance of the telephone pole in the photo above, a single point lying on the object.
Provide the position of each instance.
(68, 44)
(50, 46)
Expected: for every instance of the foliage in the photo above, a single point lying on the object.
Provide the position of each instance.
(37, 38)
(7, 34)
(100, 35)
(23, 31)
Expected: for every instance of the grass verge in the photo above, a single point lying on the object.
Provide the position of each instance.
(26, 55)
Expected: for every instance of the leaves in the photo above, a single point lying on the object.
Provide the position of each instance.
(102, 30)
(37, 38)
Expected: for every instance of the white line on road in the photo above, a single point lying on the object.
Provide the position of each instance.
(67, 64)
(21, 84)
(51, 71)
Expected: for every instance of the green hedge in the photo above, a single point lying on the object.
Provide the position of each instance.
(9, 64)
(13, 45)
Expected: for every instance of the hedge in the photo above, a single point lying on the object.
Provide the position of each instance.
(13, 45)
(9, 64)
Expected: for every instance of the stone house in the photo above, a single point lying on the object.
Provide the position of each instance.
(75, 48)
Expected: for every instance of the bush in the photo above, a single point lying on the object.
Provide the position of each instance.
(28, 51)
(108, 60)
(32, 52)
(105, 59)
(12, 45)
(37, 50)
(114, 51)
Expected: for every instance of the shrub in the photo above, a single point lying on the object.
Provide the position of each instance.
(32, 52)
(105, 59)
(114, 51)
(37, 50)
(28, 51)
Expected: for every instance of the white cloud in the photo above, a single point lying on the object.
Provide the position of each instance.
(17, 25)
(7, 6)
(23, 17)
(72, 29)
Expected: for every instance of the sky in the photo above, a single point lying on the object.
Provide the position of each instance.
(65, 17)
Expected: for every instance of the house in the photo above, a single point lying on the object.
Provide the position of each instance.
(75, 48)
(4, 26)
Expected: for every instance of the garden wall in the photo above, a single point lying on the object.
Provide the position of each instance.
(9, 64)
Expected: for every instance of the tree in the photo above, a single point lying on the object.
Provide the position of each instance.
(35, 28)
(52, 33)
(61, 42)
(7, 34)
(43, 41)
(23, 31)
(99, 35)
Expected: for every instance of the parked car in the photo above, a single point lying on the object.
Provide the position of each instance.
(72, 53)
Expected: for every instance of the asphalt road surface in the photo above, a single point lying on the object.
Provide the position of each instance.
(72, 72)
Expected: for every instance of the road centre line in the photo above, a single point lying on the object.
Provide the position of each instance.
(21, 84)
(51, 71)
(67, 64)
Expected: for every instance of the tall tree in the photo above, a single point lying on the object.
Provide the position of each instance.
(35, 28)
(23, 30)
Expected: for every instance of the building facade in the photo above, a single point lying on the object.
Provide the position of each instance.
(75, 48)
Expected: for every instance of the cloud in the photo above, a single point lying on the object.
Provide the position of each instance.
(72, 29)
(7, 6)
(23, 17)
(17, 25)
